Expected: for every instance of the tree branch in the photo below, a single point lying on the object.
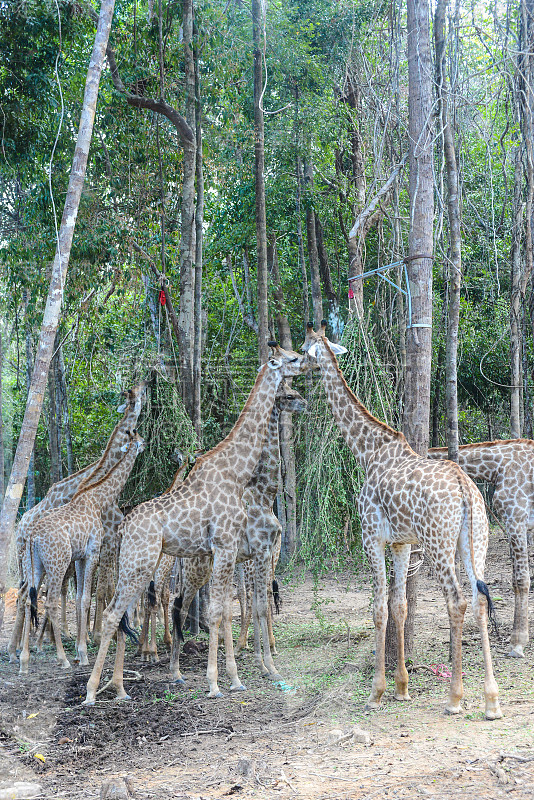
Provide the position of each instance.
(372, 206)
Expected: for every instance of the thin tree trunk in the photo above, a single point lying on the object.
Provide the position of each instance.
(53, 435)
(326, 275)
(300, 244)
(287, 499)
(199, 222)
(55, 297)
(313, 255)
(30, 481)
(258, 28)
(65, 410)
(455, 240)
(515, 302)
(416, 415)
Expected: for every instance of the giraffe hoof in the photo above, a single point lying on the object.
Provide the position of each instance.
(493, 713)
(371, 705)
(178, 681)
(239, 688)
(450, 711)
(123, 698)
(216, 695)
(87, 702)
(274, 676)
(516, 652)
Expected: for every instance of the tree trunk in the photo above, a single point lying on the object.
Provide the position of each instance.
(300, 243)
(62, 382)
(258, 32)
(515, 302)
(199, 222)
(526, 105)
(287, 498)
(53, 428)
(313, 255)
(416, 416)
(455, 241)
(55, 297)
(30, 481)
(326, 275)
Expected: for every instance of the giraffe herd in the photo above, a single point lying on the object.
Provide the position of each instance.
(220, 515)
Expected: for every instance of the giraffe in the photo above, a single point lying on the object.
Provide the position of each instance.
(257, 543)
(407, 499)
(204, 515)
(63, 491)
(71, 533)
(509, 466)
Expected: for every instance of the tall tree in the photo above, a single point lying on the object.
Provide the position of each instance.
(454, 259)
(258, 40)
(55, 295)
(416, 413)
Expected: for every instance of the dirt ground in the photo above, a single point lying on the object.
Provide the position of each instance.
(308, 737)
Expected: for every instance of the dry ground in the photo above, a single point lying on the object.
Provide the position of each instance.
(283, 741)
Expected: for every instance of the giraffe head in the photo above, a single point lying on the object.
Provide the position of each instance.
(316, 345)
(134, 440)
(288, 399)
(133, 399)
(287, 362)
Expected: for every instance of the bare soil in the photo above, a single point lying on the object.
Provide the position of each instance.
(288, 740)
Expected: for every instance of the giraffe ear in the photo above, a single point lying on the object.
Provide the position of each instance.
(337, 349)
(122, 408)
(312, 350)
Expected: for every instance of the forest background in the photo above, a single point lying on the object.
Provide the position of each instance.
(170, 277)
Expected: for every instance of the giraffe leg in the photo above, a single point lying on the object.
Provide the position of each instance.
(16, 634)
(242, 642)
(521, 585)
(375, 554)
(262, 565)
(86, 581)
(220, 600)
(165, 598)
(52, 601)
(399, 609)
(144, 630)
(190, 588)
(24, 658)
(480, 610)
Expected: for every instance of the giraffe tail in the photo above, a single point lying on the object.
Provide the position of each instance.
(125, 627)
(481, 586)
(33, 607)
(276, 596)
(176, 617)
(151, 594)
(483, 589)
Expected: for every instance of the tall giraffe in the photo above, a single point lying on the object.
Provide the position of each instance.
(204, 515)
(71, 533)
(63, 491)
(509, 466)
(407, 499)
(257, 541)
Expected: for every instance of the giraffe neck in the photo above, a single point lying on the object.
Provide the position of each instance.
(104, 491)
(240, 451)
(363, 433)
(263, 486)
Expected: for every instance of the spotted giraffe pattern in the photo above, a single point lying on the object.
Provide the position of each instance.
(509, 466)
(257, 543)
(203, 516)
(71, 533)
(407, 499)
(63, 491)
(245, 576)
